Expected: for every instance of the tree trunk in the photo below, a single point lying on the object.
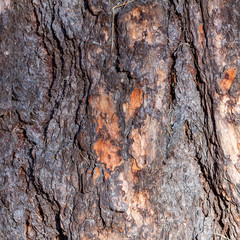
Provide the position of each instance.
(119, 123)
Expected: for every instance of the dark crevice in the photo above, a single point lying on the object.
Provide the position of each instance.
(61, 235)
(207, 176)
(173, 78)
(87, 7)
(41, 212)
(27, 224)
(52, 202)
(188, 131)
(100, 209)
(37, 19)
(55, 65)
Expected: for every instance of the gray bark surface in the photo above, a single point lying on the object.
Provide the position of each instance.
(119, 123)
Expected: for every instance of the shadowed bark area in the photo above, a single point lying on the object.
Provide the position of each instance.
(123, 126)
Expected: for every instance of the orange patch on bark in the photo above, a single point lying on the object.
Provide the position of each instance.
(120, 227)
(136, 100)
(96, 174)
(201, 35)
(85, 238)
(107, 146)
(105, 30)
(106, 174)
(136, 12)
(142, 198)
(139, 27)
(90, 99)
(230, 74)
(161, 76)
(107, 153)
(238, 145)
(135, 168)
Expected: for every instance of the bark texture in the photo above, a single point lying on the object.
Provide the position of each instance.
(139, 140)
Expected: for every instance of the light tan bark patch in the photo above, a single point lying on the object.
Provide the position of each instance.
(4, 5)
(143, 148)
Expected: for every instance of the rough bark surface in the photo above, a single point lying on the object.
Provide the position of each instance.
(139, 140)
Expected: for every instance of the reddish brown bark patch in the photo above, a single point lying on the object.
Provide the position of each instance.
(96, 175)
(201, 35)
(229, 76)
(108, 144)
(136, 100)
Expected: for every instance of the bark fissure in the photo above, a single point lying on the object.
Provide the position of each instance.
(140, 141)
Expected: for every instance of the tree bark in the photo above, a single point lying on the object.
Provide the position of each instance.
(119, 122)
